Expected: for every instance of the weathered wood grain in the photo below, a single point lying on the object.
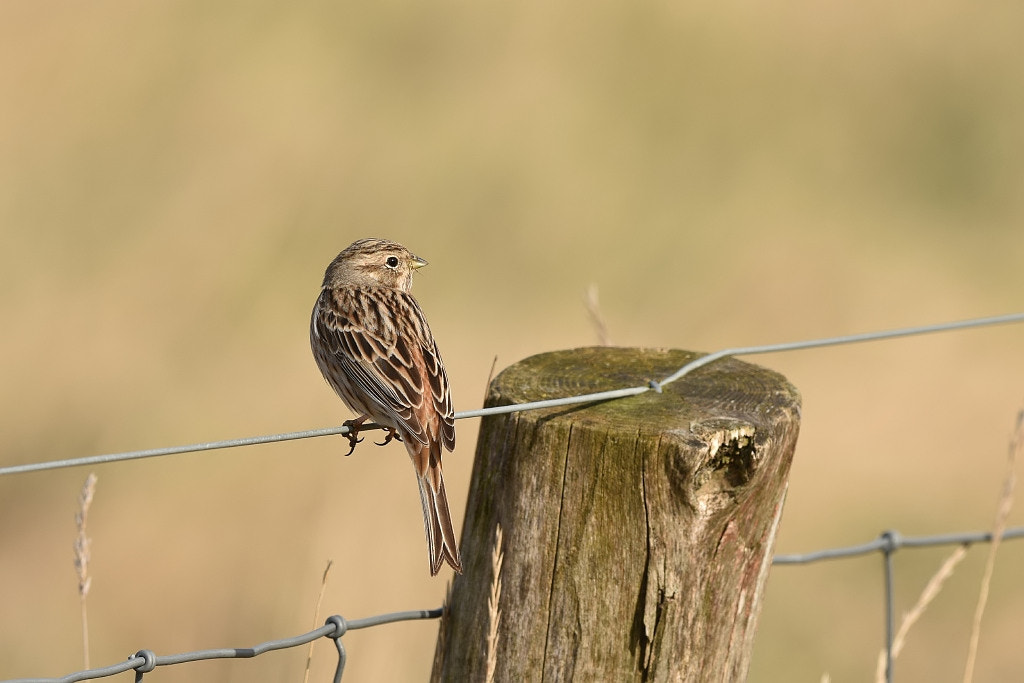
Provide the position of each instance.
(637, 532)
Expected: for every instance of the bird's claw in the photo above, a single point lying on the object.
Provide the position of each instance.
(392, 434)
(352, 441)
(353, 434)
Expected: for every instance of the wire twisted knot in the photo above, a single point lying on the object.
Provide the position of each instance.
(148, 663)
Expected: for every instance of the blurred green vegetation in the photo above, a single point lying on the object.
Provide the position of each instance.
(174, 177)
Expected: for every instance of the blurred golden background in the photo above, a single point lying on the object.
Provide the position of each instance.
(175, 176)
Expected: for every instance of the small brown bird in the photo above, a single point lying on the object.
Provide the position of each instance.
(374, 347)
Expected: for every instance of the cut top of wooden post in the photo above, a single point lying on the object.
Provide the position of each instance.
(728, 387)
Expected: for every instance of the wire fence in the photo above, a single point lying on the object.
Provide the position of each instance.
(145, 661)
(653, 385)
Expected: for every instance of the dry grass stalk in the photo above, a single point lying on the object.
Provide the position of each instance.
(1002, 515)
(316, 617)
(490, 376)
(493, 610)
(442, 631)
(82, 548)
(594, 311)
(931, 590)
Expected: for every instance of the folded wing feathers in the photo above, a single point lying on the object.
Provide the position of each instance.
(389, 370)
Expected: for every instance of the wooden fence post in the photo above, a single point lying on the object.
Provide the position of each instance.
(638, 532)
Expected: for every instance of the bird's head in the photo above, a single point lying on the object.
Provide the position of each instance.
(373, 262)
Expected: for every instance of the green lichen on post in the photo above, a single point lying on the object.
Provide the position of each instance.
(601, 368)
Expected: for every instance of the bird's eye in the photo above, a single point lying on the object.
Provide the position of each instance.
(391, 262)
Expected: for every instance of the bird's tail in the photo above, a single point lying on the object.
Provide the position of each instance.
(437, 518)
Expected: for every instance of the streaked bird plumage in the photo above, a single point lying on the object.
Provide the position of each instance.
(374, 347)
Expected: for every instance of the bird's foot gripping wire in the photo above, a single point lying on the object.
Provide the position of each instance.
(392, 434)
(353, 432)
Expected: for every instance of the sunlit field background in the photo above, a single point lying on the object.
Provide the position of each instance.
(175, 176)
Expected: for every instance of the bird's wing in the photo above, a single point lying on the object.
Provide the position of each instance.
(440, 395)
(384, 347)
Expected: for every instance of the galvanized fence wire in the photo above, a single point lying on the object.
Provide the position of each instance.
(145, 661)
(336, 626)
(653, 385)
(887, 544)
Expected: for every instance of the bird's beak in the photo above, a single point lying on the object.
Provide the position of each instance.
(417, 263)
